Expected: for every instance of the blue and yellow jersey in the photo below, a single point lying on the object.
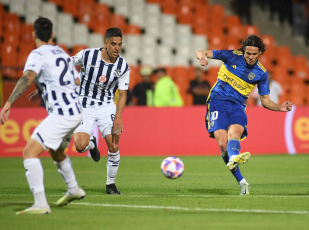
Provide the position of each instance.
(236, 79)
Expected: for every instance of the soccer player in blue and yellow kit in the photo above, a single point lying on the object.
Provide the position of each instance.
(226, 120)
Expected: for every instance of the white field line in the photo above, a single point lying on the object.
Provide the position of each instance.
(178, 208)
(177, 195)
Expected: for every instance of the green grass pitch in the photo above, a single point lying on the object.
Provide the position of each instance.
(205, 197)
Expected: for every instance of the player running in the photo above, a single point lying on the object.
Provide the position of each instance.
(56, 78)
(103, 72)
(226, 120)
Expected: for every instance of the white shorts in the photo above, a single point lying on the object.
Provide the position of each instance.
(102, 115)
(56, 130)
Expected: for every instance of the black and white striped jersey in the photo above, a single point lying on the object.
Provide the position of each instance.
(55, 79)
(100, 80)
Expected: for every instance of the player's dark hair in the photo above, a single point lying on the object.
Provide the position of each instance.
(255, 41)
(161, 69)
(113, 32)
(43, 29)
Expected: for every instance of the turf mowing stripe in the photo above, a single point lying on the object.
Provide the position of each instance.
(179, 195)
(195, 209)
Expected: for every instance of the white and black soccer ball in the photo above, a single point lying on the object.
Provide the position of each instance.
(172, 167)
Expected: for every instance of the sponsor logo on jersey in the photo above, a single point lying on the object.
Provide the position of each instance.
(237, 83)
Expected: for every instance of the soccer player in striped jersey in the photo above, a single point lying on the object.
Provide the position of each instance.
(103, 72)
(226, 120)
(56, 77)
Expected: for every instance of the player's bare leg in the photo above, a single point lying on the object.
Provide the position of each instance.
(83, 142)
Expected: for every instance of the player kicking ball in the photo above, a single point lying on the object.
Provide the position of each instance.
(226, 119)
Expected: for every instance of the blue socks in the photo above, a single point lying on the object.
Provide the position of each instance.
(225, 157)
(233, 148)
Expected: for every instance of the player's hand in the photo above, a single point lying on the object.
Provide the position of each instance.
(5, 113)
(203, 61)
(117, 129)
(286, 106)
(34, 96)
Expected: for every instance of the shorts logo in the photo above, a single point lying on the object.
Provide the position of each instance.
(251, 76)
(102, 79)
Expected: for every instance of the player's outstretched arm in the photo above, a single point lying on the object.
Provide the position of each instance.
(269, 104)
(202, 56)
(23, 83)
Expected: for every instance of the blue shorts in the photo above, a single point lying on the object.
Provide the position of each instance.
(221, 114)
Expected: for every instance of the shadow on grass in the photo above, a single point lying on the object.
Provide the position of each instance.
(19, 205)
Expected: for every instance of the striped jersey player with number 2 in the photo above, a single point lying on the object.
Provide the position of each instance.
(57, 79)
(103, 72)
(226, 120)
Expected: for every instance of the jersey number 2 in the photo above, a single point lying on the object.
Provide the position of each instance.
(64, 71)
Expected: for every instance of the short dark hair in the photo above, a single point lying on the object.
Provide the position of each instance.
(255, 41)
(43, 29)
(161, 69)
(112, 32)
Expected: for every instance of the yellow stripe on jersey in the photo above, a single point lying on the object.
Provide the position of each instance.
(210, 90)
(237, 52)
(261, 66)
(238, 84)
(208, 117)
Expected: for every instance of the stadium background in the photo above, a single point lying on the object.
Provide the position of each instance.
(157, 33)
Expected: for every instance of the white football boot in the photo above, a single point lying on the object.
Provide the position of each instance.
(68, 198)
(34, 209)
(244, 188)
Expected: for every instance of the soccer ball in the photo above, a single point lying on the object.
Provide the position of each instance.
(172, 167)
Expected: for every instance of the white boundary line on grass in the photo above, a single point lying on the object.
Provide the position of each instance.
(177, 208)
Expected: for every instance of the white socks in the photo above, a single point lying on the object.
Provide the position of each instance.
(35, 177)
(112, 166)
(66, 171)
(243, 181)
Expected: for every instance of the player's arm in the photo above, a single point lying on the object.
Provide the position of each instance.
(117, 125)
(203, 55)
(269, 104)
(23, 83)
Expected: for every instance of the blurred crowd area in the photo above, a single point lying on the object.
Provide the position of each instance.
(158, 34)
(294, 13)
